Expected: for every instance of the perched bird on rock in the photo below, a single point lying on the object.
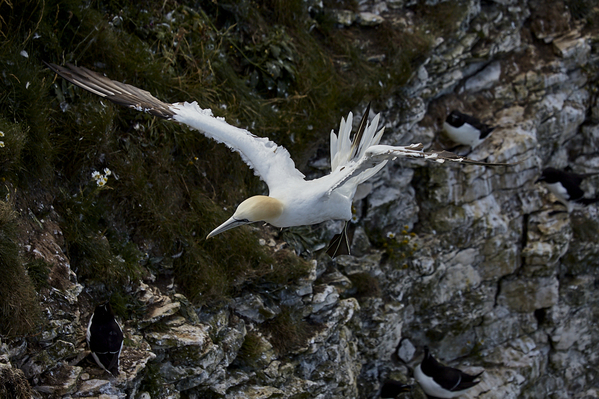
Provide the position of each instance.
(465, 129)
(292, 200)
(105, 338)
(439, 381)
(566, 187)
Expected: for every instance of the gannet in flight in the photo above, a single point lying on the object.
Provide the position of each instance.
(292, 200)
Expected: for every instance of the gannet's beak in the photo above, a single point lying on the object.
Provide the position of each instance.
(228, 225)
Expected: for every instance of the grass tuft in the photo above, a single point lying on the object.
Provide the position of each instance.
(19, 312)
(365, 285)
(251, 350)
(288, 331)
(12, 142)
(13, 384)
(443, 19)
(39, 273)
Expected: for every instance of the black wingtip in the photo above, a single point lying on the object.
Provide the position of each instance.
(486, 131)
(340, 244)
(360, 133)
(53, 67)
(119, 93)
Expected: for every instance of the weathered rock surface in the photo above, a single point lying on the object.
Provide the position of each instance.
(492, 278)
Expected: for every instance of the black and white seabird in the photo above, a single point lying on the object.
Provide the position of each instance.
(465, 129)
(439, 381)
(566, 187)
(105, 338)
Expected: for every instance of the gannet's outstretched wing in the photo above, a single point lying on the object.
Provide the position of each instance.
(377, 154)
(270, 162)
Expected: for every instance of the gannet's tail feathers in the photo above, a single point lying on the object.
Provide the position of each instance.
(271, 162)
(343, 149)
(117, 92)
(341, 144)
(357, 140)
(377, 155)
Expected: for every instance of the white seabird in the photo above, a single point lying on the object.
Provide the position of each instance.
(292, 200)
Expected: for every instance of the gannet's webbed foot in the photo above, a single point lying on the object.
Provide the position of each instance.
(341, 243)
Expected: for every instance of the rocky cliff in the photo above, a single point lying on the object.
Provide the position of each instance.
(476, 262)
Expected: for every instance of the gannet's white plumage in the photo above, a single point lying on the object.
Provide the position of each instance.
(292, 200)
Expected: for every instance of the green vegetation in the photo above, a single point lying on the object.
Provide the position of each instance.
(13, 384)
(583, 9)
(365, 285)
(288, 331)
(39, 272)
(251, 350)
(443, 19)
(18, 303)
(399, 247)
(269, 66)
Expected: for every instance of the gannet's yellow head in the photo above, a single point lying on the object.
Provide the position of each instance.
(258, 208)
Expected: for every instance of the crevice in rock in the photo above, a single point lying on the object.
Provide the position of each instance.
(498, 292)
(540, 316)
(524, 238)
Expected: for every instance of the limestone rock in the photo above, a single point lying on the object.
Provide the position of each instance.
(369, 19)
(254, 308)
(530, 294)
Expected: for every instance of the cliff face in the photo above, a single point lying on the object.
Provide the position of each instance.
(500, 280)
(475, 262)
